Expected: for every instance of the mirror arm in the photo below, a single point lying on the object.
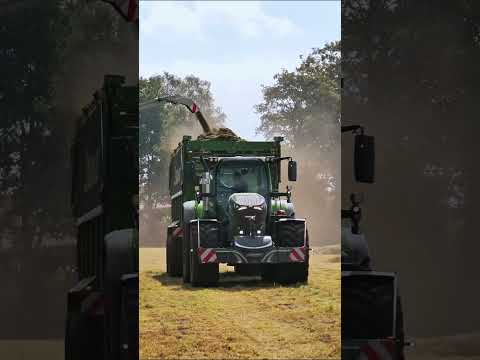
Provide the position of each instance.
(204, 163)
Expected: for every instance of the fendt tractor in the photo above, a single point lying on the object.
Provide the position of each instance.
(226, 207)
(372, 319)
(102, 308)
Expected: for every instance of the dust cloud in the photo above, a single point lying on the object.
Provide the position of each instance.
(315, 194)
(154, 222)
(176, 133)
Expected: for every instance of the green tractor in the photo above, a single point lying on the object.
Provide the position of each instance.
(226, 207)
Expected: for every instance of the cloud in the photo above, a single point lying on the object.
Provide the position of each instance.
(236, 46)
(167, 17)
(247, 19)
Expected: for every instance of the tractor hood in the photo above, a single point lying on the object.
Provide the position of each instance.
(248, 213)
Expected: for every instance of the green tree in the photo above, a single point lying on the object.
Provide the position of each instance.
(161, 128)
(29, 57)
(304, 105)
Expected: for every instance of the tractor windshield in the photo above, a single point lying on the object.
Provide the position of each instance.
(240, 176)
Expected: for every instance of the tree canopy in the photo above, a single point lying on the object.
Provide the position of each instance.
(304, 105)
(162, 127)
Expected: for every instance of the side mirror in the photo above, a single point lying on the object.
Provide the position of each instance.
(292, 170)
(364, 159)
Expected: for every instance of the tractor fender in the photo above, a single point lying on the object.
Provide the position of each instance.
(188, 211)
(120, 254)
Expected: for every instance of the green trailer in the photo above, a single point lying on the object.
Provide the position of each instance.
(226, 207)
(102, 308)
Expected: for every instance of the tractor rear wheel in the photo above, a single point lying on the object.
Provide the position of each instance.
(83, 337)
(129, 317)
(186, 254)
(75, 337)
(120, 259)
(174, 255)
(170, 258)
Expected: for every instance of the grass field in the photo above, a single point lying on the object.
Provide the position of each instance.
(242, 318)
(31, 349)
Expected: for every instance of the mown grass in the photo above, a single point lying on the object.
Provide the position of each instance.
(31, 349)
(242, 318)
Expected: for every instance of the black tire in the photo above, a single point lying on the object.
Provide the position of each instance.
(202, 274)
(178, 256)
(75, 341)
(170, 253)
(119, 260)
(247, 269)
(186, 254)
(83, 337)
(129, 319)
(174, 255)
(400, 331)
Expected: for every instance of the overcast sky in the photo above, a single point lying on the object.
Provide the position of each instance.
(236, 46)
